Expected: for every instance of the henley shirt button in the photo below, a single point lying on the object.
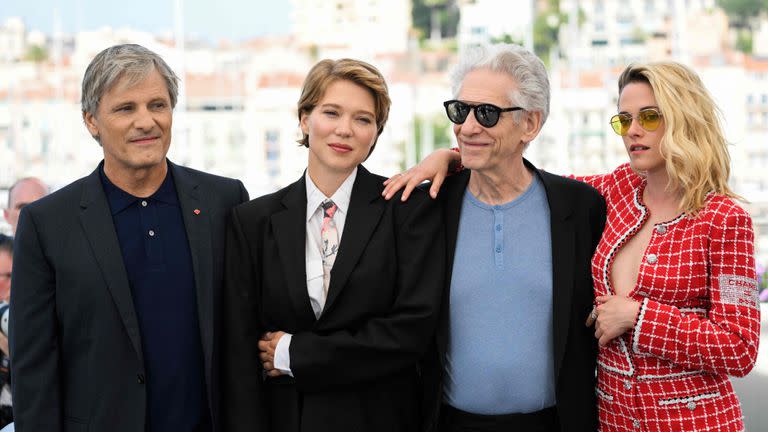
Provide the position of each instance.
(661, 229)
(651, 258)
(151, 233)
(143, 203)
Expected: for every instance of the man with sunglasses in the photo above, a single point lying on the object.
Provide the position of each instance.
(511, 350)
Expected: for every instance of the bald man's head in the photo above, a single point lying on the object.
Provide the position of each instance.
(23, 192)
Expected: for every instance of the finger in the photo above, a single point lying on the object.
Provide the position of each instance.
(603, 341)
(266, 336)
(392, 179)
(409, 187)
(393, 184)
(268, 365)
(591, 317)
(263, 345)
(274, 373)
(437, 182)
(606, 338)
(603, 299)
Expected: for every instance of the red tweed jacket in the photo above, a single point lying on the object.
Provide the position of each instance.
(699, 321)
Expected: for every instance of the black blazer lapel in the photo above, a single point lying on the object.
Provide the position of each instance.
(563, 250)
(290, 228)
(96, 220)
(453, 196)
(366, 207)
(197, 222)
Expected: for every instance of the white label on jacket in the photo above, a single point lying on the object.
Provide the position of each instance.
(739, 291)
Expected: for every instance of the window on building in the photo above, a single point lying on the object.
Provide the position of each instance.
(236, 138)
(272, 144)
(599, 26)
(272, 149)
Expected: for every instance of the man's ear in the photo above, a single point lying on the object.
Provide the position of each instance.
(90, 123)
(531, 125)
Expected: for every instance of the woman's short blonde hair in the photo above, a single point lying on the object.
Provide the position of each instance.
(693, 145)
(359, 72)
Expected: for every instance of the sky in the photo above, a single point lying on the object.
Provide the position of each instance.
(207, 19)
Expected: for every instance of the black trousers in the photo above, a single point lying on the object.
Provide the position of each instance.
(455, 420)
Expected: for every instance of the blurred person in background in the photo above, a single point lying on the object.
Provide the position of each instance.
(116, 275)
(6, 264)
(676, 291)
(332, 292)
(21, 193)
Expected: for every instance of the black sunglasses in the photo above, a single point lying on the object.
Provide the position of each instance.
(485, 114)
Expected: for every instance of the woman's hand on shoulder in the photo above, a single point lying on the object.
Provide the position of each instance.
(433, 168)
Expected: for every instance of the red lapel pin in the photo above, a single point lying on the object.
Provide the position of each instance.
(196, 211)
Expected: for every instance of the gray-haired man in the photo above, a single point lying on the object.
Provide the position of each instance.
(511, 350)
(116, 275)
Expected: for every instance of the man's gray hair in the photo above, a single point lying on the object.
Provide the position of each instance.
(129, 60)
(524, 67)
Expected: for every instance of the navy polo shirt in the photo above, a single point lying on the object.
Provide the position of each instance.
(155, 249)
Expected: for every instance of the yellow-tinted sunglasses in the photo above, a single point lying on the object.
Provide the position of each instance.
(648, 118)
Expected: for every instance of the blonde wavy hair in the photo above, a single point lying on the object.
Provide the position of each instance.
(693, 145)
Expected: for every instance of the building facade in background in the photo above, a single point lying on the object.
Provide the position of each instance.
(237, 108)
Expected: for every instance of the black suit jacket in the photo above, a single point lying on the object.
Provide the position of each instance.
(577, 218)
(355, 367)
(75, 341)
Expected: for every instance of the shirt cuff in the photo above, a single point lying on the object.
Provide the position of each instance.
(282, 355)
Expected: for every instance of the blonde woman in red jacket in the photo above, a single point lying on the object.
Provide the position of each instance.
(675, 286)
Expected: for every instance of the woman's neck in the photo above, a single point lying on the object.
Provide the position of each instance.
(328, 182)
(659, 194)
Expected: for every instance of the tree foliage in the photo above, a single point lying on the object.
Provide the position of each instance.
(447, 17)
(546, 29)
(742, 12)
(36, 54)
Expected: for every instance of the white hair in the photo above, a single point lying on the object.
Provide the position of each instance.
(524, 67)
